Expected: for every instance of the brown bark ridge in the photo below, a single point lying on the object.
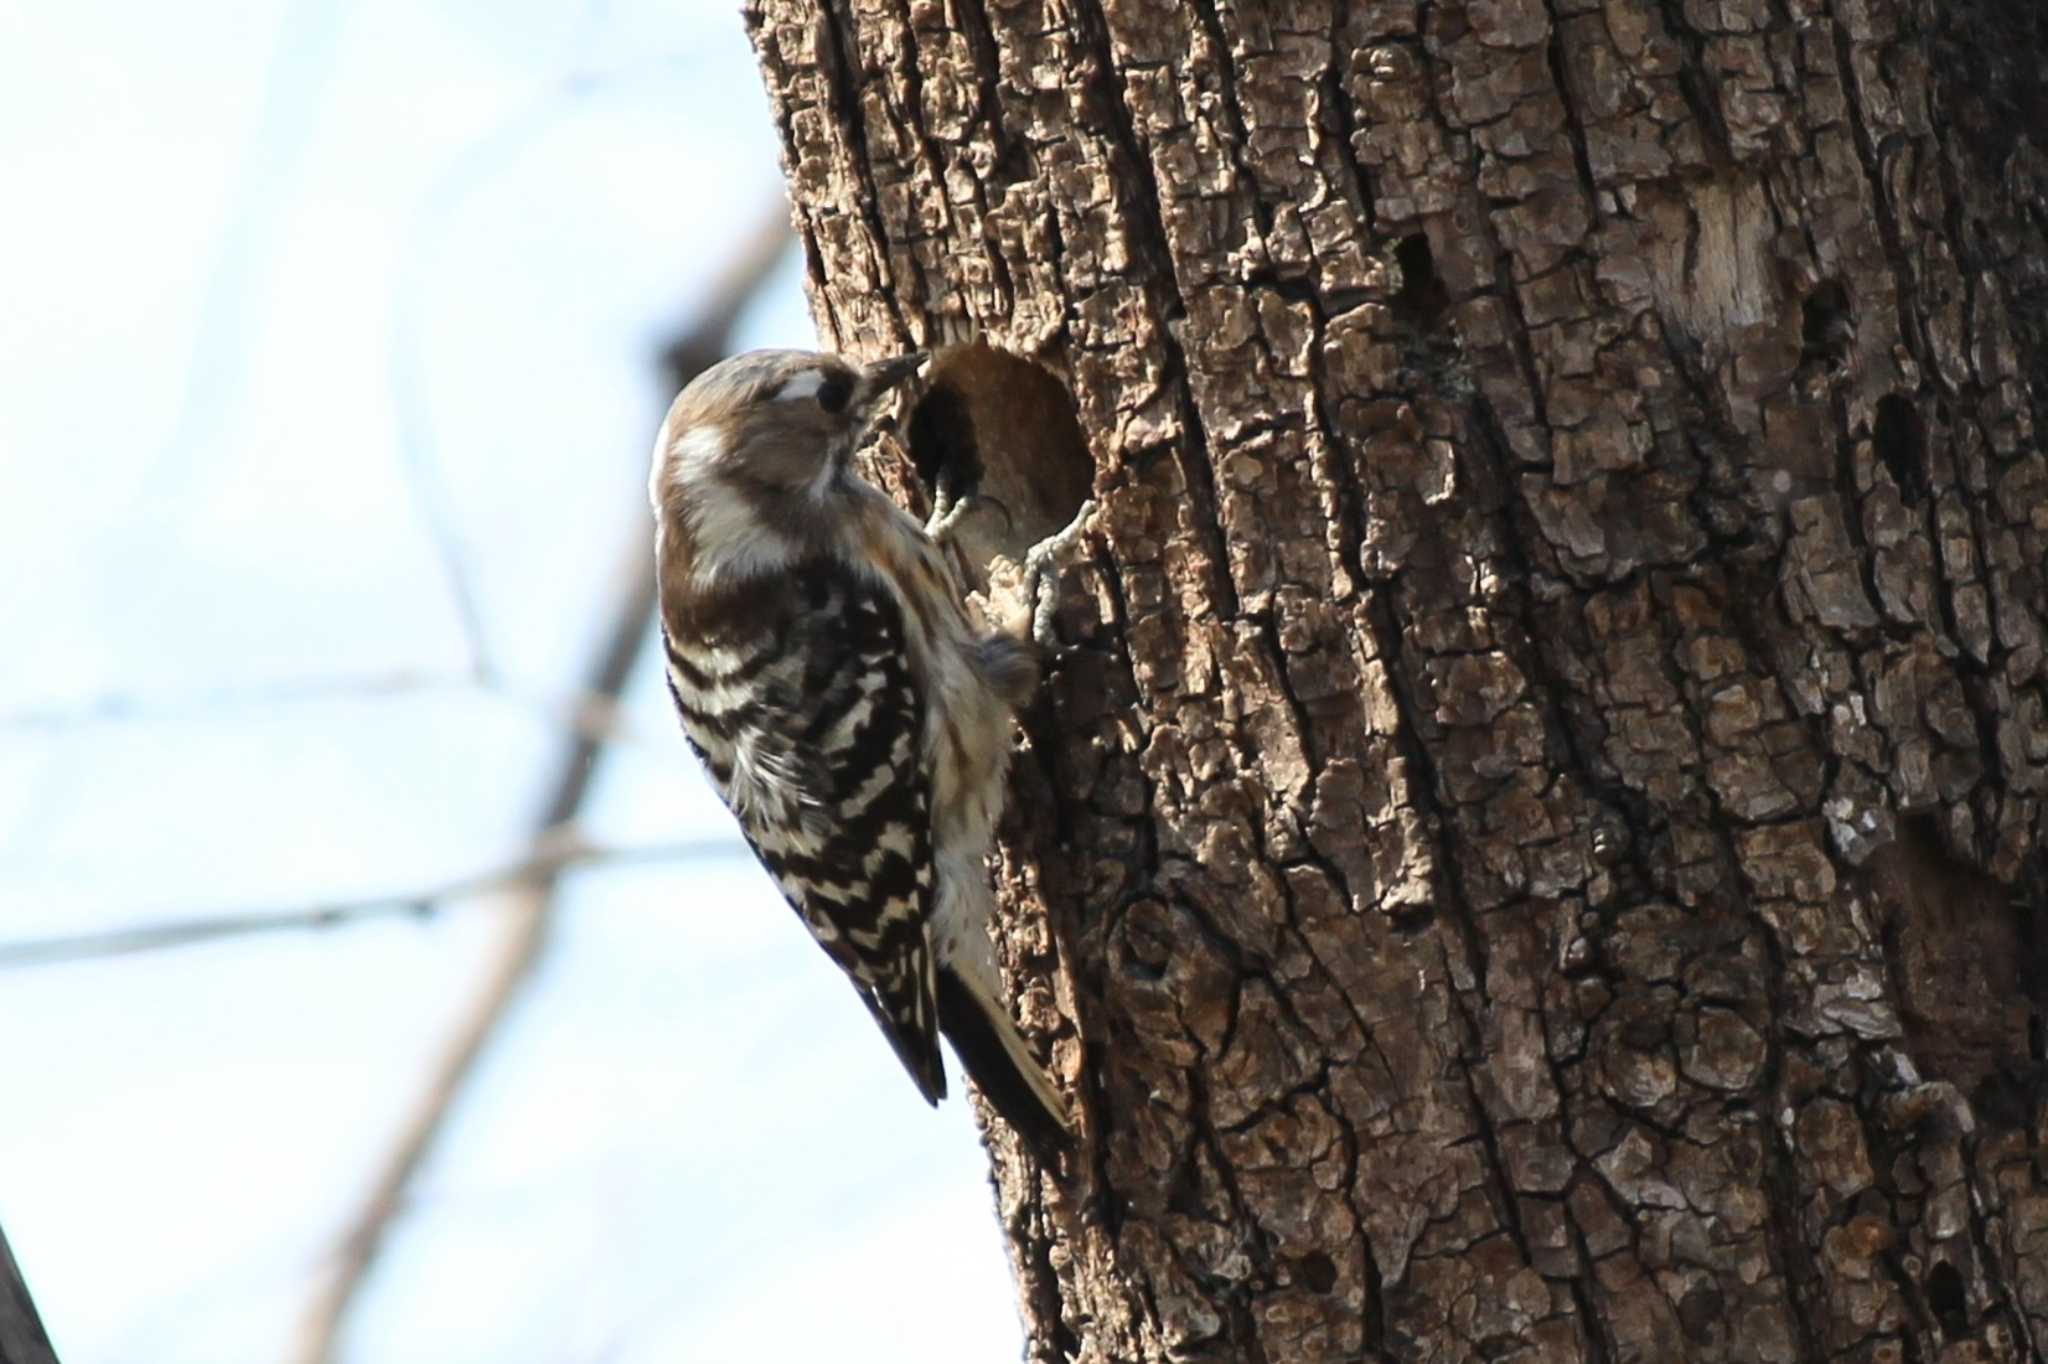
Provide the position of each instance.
(1533, 849)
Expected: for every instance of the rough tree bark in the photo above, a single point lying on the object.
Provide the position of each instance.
(22, 1338)
(1539, 827)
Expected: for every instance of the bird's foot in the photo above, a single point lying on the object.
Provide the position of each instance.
(1044, 566)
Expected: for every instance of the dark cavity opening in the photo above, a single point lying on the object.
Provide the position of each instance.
(1946, 1299)
(1961, 960)
(1319, 1272)
(942, 441)
(1825, 329)
(1701, 1312)
(1901, 442)
(993, 426)
(1421, 299)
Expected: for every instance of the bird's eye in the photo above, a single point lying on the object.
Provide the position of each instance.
(833, 391)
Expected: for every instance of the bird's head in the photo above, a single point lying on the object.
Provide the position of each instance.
(772, 422)
(753, 460)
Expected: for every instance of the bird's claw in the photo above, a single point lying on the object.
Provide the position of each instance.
(1044, 565)
(951, 509)
(946, 511)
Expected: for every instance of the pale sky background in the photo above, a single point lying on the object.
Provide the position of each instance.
(284, 285)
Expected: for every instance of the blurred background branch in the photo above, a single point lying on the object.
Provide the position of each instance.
(597, 717)
(526, 932)
(557, 851)
(323, 513)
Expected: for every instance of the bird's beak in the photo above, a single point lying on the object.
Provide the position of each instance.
(884, 375)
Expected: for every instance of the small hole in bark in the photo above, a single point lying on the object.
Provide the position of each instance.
(1959, 957)
(1825, 329)
(1146, 935)
(2006, 1097)
(1411, 918)
(1699, 1311)
(1319, 1272)
(994, 425)
(1945, 1298)
(1421, 298)
(1147, 971)
(1901, 442)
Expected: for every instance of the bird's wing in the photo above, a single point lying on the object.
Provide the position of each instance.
(810, 721)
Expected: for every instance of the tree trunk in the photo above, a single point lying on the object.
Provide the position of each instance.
(22, 1339)
(1534, 848)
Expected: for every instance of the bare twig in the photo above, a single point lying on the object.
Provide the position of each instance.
(601, 717)
(527, 931)
(130, 707)
(548, 857)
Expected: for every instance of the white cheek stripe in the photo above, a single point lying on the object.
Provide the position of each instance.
(700, 446)
(804, 385)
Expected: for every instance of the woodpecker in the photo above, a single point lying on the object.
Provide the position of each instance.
(853, 718)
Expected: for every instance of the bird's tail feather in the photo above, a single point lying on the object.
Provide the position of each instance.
(1002, 1067)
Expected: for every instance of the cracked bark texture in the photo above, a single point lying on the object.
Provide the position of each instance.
(1534, 847)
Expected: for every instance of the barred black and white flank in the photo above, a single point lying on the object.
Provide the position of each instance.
(853, 718)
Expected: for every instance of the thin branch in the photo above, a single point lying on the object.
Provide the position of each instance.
(602, 717)
(530, 918)
(548, 858)
(133, 708)
(419, 455)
